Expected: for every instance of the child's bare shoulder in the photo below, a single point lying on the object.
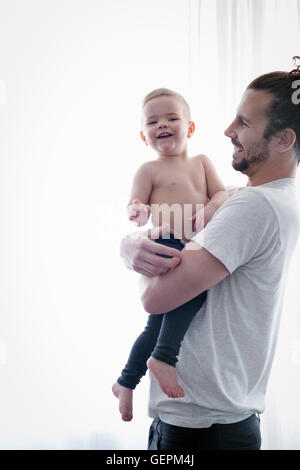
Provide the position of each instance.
(200, 159)
(148, 168)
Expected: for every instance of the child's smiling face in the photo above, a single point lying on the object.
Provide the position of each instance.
(166, 127)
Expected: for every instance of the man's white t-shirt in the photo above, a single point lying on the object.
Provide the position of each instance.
(226, 355)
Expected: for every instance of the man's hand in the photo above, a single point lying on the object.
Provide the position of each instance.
(138, 212)
(139, 252)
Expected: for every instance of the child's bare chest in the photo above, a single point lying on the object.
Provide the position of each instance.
(179, 184)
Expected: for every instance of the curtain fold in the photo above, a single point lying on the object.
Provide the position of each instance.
(258, 13)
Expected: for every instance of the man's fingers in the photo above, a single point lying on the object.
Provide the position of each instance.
(141, 254)
(168, 263)
(149, 252)
(164, 250)
(157, 248)
(146, 272)
(151, 270)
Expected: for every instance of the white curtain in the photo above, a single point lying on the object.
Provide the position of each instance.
(72, 77)
(232, 42)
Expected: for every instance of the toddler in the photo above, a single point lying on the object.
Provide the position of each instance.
(183, 184)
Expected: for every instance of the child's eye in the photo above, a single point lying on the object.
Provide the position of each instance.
(173, 119)
(151, 122)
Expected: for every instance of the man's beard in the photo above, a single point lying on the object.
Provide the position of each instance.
(256, 156)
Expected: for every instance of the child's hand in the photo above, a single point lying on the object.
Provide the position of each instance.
(202, 217)
(138, 212)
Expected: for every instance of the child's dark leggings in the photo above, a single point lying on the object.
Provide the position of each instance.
(163, 333)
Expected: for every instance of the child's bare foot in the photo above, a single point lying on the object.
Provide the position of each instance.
(124, 396)
(166, 377)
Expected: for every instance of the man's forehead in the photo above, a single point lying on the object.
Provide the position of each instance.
(254, 104)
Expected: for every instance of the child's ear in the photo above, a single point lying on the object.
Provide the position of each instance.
(191, 129)
(143, 137)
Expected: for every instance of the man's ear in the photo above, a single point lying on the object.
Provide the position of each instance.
(143, 137)
(284, 140)
(191, 129)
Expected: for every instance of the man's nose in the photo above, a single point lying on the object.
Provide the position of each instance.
(230, 132)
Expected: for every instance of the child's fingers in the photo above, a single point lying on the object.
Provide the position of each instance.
(137, 208)
(133, 212)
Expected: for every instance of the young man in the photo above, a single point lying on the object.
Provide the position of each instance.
(226, 357)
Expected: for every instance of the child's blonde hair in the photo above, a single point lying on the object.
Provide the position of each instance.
(167, 92)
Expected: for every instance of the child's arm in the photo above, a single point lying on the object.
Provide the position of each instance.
(138, 209)
(216, 192)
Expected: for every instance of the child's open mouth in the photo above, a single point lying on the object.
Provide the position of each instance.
(164, 135)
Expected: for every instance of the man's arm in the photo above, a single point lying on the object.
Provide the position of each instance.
(243, 229)
(197, 272)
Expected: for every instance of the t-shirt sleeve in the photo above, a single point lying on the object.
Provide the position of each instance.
(244, 227)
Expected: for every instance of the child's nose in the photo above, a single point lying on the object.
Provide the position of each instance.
(162, 124)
